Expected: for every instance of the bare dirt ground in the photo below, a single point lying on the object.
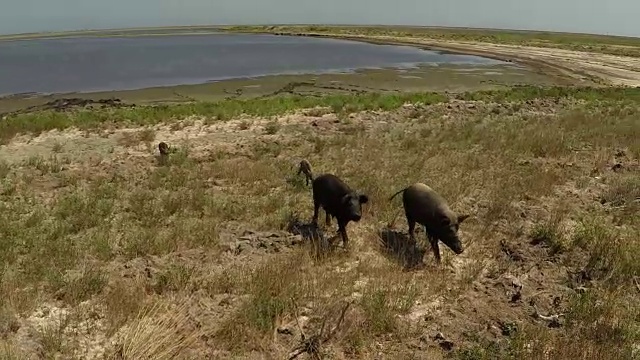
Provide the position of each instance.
(101, 229)
(612, 69)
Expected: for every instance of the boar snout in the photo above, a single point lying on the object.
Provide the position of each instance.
(453, 243)
(458, 249)
(353, 205)
(450, 236)
(455, 246)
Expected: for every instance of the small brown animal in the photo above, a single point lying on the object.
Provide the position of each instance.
(305, 168)
(339, 201)
(163, 148)
(425, 206)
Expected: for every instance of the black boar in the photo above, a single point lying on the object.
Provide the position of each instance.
(305, 168)
(426, 207)
(339, 201)
(163, 148)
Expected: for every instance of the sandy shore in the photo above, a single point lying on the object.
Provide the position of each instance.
(573, 67)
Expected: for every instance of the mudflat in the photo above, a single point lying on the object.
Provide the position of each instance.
(453, 78)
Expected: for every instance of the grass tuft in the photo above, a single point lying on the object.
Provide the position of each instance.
(161, 331)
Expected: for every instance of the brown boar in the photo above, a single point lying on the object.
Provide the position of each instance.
(425, 206)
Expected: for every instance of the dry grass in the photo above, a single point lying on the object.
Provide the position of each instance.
(162, 331)
(203, 236)
(9, 351)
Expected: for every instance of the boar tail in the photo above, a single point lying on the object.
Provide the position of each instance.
(394, 195)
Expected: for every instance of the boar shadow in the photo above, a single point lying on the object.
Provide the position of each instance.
(162, 160)
(400, 248)
(320, 245)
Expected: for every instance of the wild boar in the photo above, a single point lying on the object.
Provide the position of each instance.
(305, 168)
(425, 206)
(337, 199)
(163, 148)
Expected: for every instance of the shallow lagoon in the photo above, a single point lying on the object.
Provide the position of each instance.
(93, 64)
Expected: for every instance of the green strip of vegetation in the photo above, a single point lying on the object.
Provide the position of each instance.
(38, 122)
(35, 123)
(523, 93)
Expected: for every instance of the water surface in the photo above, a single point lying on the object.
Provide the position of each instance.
(90, 64)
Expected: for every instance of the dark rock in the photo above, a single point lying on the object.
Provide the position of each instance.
(617, 167)
(555, 323)
(507, 328)
(285, 331)
(446, 345)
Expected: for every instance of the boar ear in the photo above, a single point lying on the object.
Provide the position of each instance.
(363, 198)
(345, 199)
(462, 218)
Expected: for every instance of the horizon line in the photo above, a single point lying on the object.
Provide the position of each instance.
(213, 26)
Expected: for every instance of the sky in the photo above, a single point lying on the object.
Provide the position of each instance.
(614, 17)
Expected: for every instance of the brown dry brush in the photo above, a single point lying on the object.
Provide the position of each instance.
(312, 344)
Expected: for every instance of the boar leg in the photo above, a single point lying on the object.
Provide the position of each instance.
(412, 228)
(328, 219)
(435, 247)
(342, 229)
(316, 207)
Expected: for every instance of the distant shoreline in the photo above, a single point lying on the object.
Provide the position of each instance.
(189, 31)
(613, 60)
(441, 41)
(210, 30)
(101, 34)
(225, 28)
(560, 58)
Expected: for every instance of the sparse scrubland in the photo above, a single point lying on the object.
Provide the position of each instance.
(109, 250)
